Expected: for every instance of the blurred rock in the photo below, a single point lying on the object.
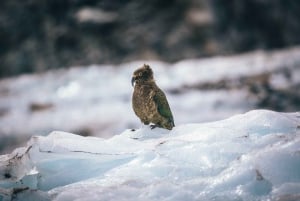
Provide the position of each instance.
(35, 107)
(36, 35)
(95, 16)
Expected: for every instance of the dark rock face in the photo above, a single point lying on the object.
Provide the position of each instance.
(36, 35)
(247, 25)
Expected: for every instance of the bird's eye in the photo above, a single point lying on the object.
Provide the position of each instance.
(140, 74)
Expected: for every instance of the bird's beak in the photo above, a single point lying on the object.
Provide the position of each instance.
(132, 81)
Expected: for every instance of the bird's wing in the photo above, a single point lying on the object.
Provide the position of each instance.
(163, 105)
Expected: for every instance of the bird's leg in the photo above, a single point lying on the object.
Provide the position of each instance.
(145, 122)
(153, 126)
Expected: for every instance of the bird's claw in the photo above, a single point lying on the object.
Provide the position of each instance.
(152, 126)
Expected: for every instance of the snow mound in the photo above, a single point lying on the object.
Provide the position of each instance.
(252, 156)
(40, 103)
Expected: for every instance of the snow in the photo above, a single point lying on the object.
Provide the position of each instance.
(250, 156)
(96, 99)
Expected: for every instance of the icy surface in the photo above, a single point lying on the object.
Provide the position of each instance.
(251, 156)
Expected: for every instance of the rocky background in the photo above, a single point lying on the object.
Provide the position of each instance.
(36, 35)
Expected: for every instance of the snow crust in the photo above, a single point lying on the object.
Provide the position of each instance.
(97, 99)
(251, 156)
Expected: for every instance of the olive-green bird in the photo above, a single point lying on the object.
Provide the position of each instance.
(148, 101)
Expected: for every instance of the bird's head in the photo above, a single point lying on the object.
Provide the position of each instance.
(142, 75)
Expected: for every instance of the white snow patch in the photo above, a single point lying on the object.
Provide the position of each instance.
(96, 100)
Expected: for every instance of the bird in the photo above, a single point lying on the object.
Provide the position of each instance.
(149, 102)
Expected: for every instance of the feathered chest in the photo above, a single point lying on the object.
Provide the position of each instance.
(143, 100)
(143, 94)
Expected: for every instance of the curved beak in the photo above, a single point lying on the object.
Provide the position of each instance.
(132, 81)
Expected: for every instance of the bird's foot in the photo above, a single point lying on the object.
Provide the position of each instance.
(153, 126)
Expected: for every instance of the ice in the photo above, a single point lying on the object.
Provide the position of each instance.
(250, 156)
